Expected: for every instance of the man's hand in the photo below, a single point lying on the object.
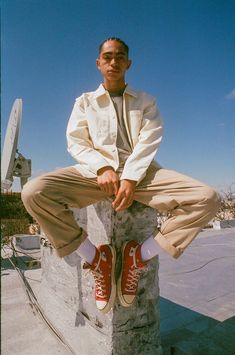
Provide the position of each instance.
(108, 180)
(125, 195)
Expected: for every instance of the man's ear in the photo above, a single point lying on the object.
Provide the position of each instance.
(129, 64)
(98, 63)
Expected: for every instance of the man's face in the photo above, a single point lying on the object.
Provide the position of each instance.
(113, 61)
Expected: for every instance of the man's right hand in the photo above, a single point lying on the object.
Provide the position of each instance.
(108, 180)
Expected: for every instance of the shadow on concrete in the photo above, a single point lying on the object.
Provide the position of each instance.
(187, 332)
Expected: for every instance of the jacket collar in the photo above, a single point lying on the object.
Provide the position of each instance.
(102, 91)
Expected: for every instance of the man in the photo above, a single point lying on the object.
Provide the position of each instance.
(114, 134)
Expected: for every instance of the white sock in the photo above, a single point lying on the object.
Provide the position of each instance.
(87, 251)
(149, 249)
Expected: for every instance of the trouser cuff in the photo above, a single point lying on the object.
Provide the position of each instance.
(72, 246)
(164, 244)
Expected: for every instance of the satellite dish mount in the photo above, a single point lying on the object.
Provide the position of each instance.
(14, 164)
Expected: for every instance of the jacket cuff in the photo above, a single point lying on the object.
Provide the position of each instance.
(130, 176)
(98, 165)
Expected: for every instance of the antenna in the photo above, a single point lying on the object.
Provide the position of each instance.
(13, 162)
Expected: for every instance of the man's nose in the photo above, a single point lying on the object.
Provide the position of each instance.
(114, 60)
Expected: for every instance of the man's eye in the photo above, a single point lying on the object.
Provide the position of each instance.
(121, 57)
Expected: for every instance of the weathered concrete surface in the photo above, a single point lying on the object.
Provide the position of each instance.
(183, 330)
(22, 331)
(67, 294)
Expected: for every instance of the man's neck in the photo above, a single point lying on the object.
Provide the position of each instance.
(114, 87)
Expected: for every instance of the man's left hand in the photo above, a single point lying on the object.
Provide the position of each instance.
(125, 195)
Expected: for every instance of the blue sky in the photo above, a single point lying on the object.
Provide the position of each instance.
(183, 53)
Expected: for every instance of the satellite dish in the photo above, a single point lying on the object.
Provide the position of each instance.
(13, 162)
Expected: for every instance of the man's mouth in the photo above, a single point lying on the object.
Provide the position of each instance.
(113, 71)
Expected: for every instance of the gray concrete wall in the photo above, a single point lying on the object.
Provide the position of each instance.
(67, 293)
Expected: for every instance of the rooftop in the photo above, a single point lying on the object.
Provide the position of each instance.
(197, 301)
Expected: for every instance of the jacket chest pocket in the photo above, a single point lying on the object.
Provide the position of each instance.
(135, 117)
(99, 128)
(103, 127)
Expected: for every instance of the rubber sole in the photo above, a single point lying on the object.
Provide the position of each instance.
(119, 284)
(110, 304)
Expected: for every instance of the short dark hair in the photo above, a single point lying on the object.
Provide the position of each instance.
(117, 40)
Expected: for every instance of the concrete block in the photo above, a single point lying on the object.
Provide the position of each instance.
(27, 241)
(67, 293)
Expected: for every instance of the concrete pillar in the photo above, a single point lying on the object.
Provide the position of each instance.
(67, 294)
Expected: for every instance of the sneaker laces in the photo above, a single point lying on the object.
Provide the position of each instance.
(98, 276)
(133, 279)
(100, 283)
(134, 273)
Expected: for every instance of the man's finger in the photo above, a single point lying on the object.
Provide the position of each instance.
(118, 199)
(109, 189)
(127, 204)
(116, 187)
(123, 205)
(122, 202)
(113, 188)
(120, 206)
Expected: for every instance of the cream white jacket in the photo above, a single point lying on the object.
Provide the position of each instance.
(92, 132)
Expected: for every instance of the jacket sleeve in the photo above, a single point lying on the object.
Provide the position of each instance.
(80, 145)
(149, 139)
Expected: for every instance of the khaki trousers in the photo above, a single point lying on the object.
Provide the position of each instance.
(192, 205)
